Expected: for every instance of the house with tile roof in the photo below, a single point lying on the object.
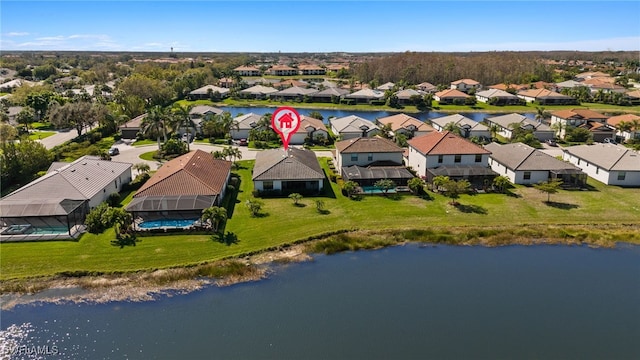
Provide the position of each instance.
(367, 160)
(450, 96)
(406, 125)
(281, 172)
(468, 127)
(633, 121)
(366, 95)
(289, 83)
(497, 97)
(310, 69)
(589, 119)
(386, 86)
(131, 128)
(523, 164)
(182, 188)
(258, 92)
(208, 92)
(330, 94)
(633, 97)
(608, 163)
(310, 128)
(427, 87)
(546, 97)
(506, 87)
(62, 197)
(282, 70)
(202, 111)
(465, 85)
(505, 125)
(353, 126)
(406, 96)
(293, 93)
(247, 71)
(244, 124)
(447, 154)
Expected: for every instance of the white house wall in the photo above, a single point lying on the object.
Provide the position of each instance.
(114, 186)
(588, 168)
(420, 163)
(239, 134)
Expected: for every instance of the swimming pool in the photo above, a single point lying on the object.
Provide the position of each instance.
(376, 190)
(166, 223)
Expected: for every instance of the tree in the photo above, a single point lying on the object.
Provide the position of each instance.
(549, 187)
(453, 189)
(385, 185)
(296, 198)
(416, 185)
(439, 181)
(541, 113)
(142, 168)
(254, 207)
(119, 218)
(26, 116)
(493, 130)
(214, 215)
(183, 119)
(154, 123)
(350, 188)
(7, 133)
(79, 115)
(386, 131)
(452, 127)
(316, 115)
(501, 182)
(320, 206)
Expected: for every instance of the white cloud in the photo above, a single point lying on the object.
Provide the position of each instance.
(17, 33)
(86, 42)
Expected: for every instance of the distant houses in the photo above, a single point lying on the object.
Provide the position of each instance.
(353, 126)
(467, 127)
(506, 125)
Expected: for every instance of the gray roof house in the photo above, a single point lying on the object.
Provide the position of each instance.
(468, 127)
(608, 163)
(404, 96)
(207, 91)
(504, 123)
(294, 170)
(258, 91)
(386, 86)
(523, 164)
(201, 111)
(294, 92)
(353, 126)
(497, 97)
(245, 123)
(57, 202)
(328, 94)
(366, 95)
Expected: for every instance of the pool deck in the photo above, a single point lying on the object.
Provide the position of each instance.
(76, 231)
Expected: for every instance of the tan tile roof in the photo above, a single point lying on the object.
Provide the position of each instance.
(635, 94)
(291, 83)
(451, 93)
(403, 121)
(466, 81)
(615, 120)
(367, 145)
(536, 93)
(580, 113)
(246, 68)
(134, 123)
(445, 143)
(307, 121)
(194, 173)
(503, 86)
(281, 67)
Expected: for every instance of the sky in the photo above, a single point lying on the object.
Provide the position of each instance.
(319, 26)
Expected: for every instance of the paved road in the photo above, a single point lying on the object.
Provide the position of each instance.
(59, 138)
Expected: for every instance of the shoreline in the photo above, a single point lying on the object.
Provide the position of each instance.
(151, 285)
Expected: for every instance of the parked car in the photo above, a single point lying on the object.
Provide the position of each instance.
(186, 137)
(243, 142)
(610, 141)
(114, 151)
(551, 142)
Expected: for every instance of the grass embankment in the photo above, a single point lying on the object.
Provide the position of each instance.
(436, 107)
(597, 216)
(39, 135)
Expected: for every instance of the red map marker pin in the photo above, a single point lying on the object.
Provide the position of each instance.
(285, 121)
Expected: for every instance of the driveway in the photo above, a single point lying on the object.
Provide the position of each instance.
(59, 138)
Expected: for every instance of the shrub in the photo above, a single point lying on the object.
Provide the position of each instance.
(113, 199)
(95, 219)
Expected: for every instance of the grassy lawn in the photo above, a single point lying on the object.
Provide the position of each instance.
(39, 135)
(145, 142)
(148, 156)
(281, 222)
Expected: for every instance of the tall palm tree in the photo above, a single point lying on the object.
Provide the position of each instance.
(214, 215)
(541, 113)
(155, 123)
(183, 119)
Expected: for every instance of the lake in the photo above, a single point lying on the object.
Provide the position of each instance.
(369, 115)
(406, 302)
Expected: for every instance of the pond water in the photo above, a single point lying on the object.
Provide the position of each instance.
(369, 115)
(408, 302)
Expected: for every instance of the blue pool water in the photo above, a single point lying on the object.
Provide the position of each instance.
(376, 190)
(172, 223)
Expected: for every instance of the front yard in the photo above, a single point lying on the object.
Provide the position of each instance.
(281, 222)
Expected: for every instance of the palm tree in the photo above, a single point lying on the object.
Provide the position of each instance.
(350, 188)
(183, 119)
(452, 127)
(214, 215)
(493, 130)
(542, 114)
(501, 182)
(155, 123)
(416, 185)
(142, 168)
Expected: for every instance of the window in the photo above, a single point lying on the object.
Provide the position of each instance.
(457, 159)
(622, 175)
(440, 157)
(354, 157)
(478, 157)
(597, 170)
(267, 185)
(527, 175)
(370, 157)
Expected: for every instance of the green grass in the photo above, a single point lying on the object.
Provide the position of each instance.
(283, 223)
(148, 156)
(145, 142)
(39, 135)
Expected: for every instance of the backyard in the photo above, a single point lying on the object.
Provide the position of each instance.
(281, 222)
